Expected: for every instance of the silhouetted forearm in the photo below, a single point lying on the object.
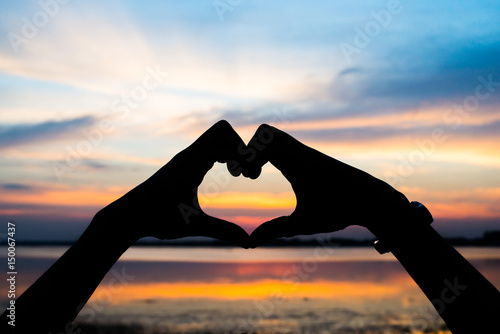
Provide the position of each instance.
(54, 300)
(467, 302)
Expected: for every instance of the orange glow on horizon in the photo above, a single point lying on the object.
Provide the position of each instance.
(246, 222)
(258, 200)
(252, 290)
(467, 203)
(84, 197)
(462, 211)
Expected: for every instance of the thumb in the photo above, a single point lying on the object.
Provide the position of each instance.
(284, 226)
(212, 227)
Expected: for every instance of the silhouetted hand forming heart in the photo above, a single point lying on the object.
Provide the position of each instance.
(330, 195)
(166, 205)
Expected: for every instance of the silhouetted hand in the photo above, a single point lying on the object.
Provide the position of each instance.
(330, 195)
(166, 205)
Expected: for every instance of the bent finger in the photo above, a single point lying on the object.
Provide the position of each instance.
(273, 145)
(220, 143)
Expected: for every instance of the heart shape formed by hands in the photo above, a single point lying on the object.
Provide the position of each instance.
(330, 195)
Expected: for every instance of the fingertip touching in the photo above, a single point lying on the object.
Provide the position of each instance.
(212, 227)
(270, 230)
(258, 150)
(252, 172)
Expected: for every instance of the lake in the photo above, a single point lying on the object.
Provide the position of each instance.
(265, 290)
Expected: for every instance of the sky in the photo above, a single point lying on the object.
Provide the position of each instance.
(97, 96)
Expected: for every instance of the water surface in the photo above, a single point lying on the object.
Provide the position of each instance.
(267, 290)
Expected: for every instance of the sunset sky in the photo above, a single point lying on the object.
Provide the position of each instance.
(95, 97)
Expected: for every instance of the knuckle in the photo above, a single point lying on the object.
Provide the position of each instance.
(223, 124)
(264, 127)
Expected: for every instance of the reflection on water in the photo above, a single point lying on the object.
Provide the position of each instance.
(266, 316)
(229, 290)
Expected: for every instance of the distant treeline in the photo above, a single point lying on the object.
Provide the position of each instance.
(489, 238)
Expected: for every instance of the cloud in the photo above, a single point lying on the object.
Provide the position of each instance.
(368, 134)
(15, 186)
(83, 47)
(399, 81)
(26, 134)
(443, 72)
(95, 165)
(349, 124)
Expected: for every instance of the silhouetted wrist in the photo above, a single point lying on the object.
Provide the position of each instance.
(387, 209)
(114, 222)
(410, 221)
